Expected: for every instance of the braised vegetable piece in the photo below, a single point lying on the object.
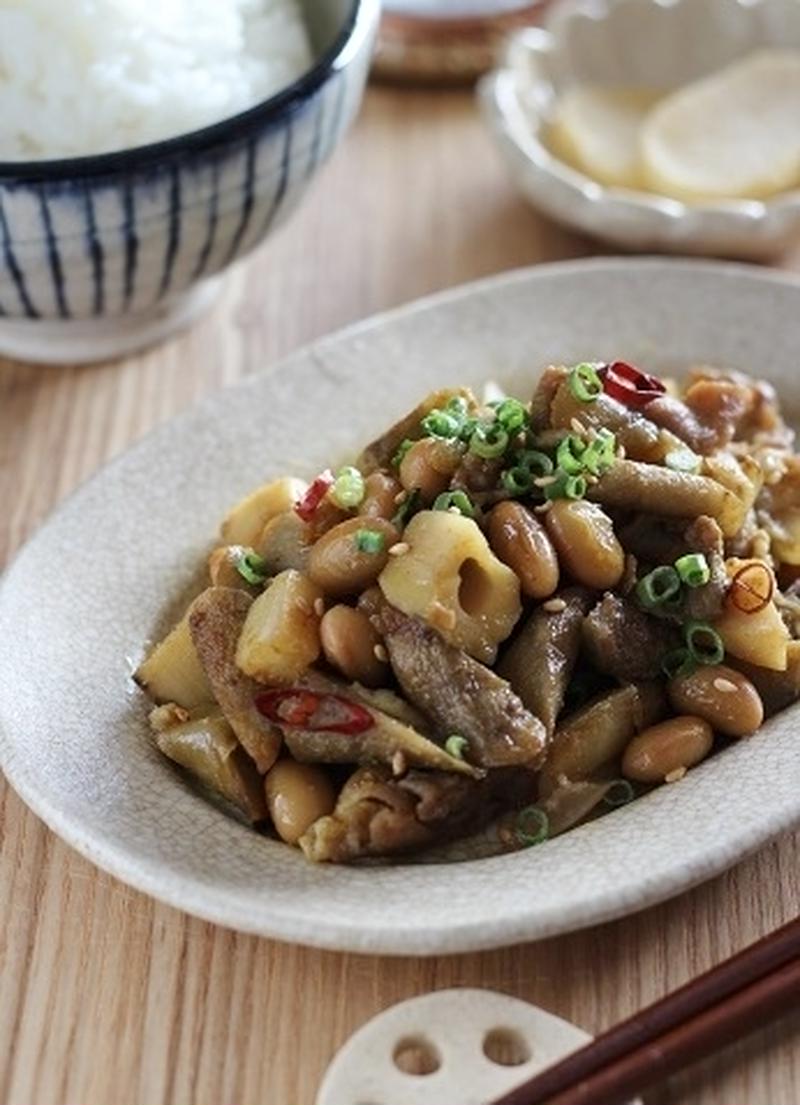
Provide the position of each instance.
(280, 636)
(324, 721)
(497, 613)
(216, 620)
(245, 523)
(350, 557)
(625, 642)
(173, 671)
(584, 538)
(724, 698)
(460, 695)
(377, 815)
(285, 542)
(208, 749)
(665, 752)
(595, 737)
(539, 662)
(655, 490)
(446, 574)
(521, 542)
(297, 796)
(381, 452)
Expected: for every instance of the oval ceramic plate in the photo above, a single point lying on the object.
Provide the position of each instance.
(93, 585)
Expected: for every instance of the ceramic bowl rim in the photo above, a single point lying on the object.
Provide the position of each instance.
(264, 114)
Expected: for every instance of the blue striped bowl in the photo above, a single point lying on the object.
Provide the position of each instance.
(103, 255)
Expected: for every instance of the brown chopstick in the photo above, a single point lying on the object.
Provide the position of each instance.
(739, 995)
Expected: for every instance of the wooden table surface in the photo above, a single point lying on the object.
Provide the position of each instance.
(108, 997)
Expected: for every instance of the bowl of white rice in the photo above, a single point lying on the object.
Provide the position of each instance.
(146, 146)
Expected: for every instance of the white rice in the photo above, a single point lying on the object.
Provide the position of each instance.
(90, 76)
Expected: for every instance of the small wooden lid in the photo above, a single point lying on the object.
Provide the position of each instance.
(447, 40)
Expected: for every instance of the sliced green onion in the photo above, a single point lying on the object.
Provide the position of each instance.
(409, 506)
(441, 424)
(658, 587)
(569, 454)
(704, 643)
(511, 414)
(585, 383)
(456, 746)
(517, 481)
(532, 826)
(402, 449)
(678, 662)
(537, 463)
(683, 460)
(468, 427)
(601, 453)
(489, 441)
(369, 541)
(458, 500)
(252, 567)
(620, 793)
(457, 406)
(565, 486)
(693, 569)
(348, 488)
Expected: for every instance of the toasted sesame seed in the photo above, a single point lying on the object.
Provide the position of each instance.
(453, 510)
(724, 685)
(400, 497)
(554, 606)
(542, 508)
(577, 426)
(621, 454)
(590, 479)
(380, 653)
(399, 763)
(545, 481)
(400, 549)
(319, 606)
(676, 775)
(303, 604)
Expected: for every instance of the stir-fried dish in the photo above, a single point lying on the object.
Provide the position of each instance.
(506, 617)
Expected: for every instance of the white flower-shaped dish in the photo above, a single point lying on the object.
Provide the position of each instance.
(659, 43)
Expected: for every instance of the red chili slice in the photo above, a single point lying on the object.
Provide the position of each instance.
(307, 507)
(751, 588)
(630, 385)
(298, 708)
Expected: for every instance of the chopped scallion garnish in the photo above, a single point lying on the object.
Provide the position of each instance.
(704, 643)
(456, 746)
(536, 462)
(455, 500)
(678, 662)
(348, 489)
(368, 541)
(488, 441)
(252, 567)
(693, 569)
(441, 424)
(511, 415)
(532, 826)
(619, 793)
(517, 481)
(402, 449)
(409, 506)
(658, 587)
(569, 454)
(683, 460)
(565, 486)
(600, 454)
(585, 383)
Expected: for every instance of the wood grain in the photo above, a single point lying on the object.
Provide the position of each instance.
(106, 996)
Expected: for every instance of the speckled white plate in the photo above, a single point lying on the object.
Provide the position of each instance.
(92, 586)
